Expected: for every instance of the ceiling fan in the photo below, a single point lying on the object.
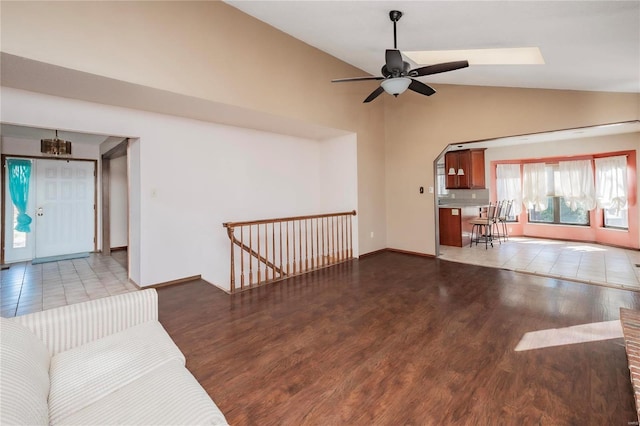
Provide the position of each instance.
(396, 73)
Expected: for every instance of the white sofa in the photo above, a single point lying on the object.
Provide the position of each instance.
(106, 361)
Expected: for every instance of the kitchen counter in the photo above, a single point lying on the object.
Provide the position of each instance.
(463, 205)
(455, 229)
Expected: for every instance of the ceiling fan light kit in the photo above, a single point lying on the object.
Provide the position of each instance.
(397, 75)
(395, 86)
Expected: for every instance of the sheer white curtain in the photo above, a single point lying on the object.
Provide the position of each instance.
(509, 185)
(534, 186)
(611, 183)
(576, 184)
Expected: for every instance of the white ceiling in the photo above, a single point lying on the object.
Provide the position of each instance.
(558, 135)
(587, 45)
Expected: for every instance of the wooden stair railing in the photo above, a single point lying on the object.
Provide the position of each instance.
(274, 249)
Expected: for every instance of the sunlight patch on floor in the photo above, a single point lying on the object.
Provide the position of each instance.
(539, 242)
(570, 335)
(586, 248)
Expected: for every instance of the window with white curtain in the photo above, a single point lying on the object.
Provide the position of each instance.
(576, 184)
(612, 190)
(557, 209)
(509, 186)
(534, 186)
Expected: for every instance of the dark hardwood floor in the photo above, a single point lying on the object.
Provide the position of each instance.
(395, 339)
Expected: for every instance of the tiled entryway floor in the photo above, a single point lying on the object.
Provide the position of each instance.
(26, 288)
(584, 262)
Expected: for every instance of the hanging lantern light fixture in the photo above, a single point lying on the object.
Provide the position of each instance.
(55, 146)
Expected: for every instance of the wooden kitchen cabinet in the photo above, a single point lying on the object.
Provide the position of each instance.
(471, 162)
(450, 227)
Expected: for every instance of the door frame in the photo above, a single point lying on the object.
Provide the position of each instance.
(3, 160)
(118, 151)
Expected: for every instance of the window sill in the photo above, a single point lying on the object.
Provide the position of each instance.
(608, 228)
(559, 224)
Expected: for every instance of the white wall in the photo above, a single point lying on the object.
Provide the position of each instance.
(339, 180)
(188, 177)
(118, 209)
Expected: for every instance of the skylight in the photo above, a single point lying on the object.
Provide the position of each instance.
(505, 56)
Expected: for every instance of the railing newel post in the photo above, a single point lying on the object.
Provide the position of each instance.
(232, 279)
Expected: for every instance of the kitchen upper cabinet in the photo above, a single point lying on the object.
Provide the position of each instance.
(468, 169)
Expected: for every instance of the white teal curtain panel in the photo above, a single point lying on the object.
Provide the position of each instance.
(577, 184)
(509, 185)
(534, 186)
(19, 175)
(611, 183)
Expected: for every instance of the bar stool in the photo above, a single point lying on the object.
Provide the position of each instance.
(482, 227)
(503, 217)
(500, 209)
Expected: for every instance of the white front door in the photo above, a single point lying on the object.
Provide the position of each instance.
(64, 209)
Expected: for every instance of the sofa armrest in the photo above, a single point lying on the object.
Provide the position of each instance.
(69, 326)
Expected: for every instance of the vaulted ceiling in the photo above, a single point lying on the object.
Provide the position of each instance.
(587, 45)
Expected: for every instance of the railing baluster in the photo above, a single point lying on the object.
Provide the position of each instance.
(300, 242)
(306, 246)
(266, 252)
(295, 258)
(323, 256)
(313, 266)
(250, 257)
(288, 259)
(273, 246)
(342, 255)
(317, 244)
(333, 239)
(242, 259)
(280, 246)
(259, 267)
(337, 234)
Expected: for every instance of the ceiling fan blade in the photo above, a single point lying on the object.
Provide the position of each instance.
(394, 60)
(342, 80)
(438, 68)
(420, 87)
(374, 95)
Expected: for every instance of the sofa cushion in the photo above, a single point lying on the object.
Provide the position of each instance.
(85, 374)
(168, 395)
(24, 376)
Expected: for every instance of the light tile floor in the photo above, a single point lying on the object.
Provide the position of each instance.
(584, 262)
(27, 288)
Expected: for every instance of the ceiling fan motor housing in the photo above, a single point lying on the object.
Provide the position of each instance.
(396, 72)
